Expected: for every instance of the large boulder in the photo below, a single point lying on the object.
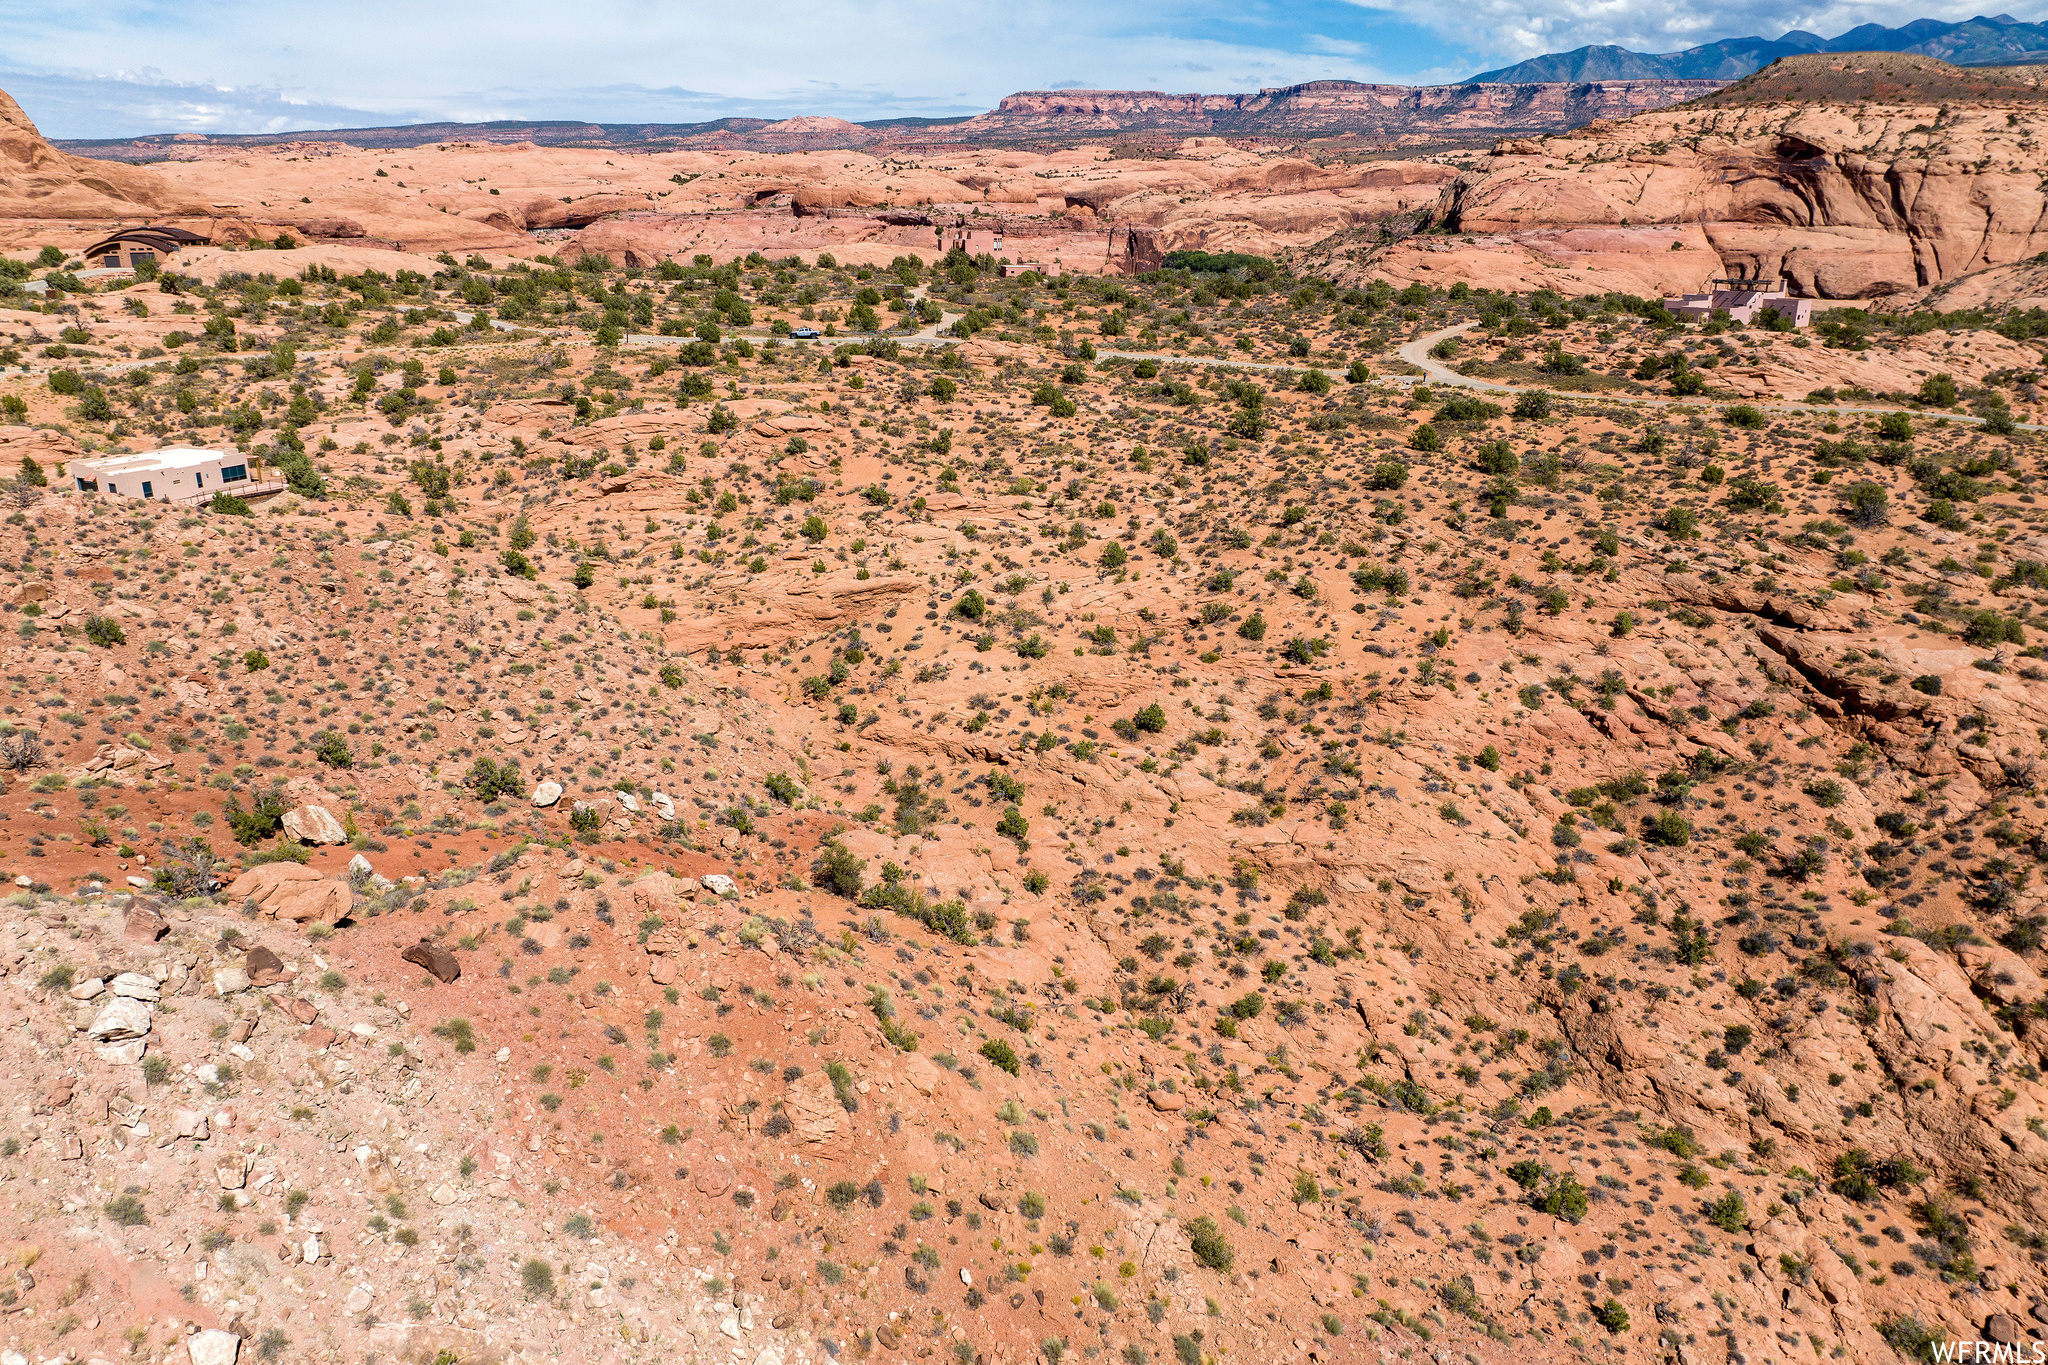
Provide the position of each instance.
(292, 892)
(434, 958)
(314, 825)
(213, 1347)
(547, 793)
(122, 1019)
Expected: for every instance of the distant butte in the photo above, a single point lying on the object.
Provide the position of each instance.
(1315, 109)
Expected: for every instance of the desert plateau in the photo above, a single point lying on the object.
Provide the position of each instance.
(1079, 738)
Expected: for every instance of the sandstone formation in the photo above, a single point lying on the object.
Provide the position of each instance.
(1844, 200)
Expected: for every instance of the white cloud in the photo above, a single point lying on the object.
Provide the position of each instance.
(398, 60)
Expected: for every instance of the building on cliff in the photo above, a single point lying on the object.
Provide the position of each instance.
(1744, 300)
(129, 247)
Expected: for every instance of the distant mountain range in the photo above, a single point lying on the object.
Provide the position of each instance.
(1999, 40)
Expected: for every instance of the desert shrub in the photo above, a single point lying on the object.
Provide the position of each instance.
(1212, 1249)
(538, 1278)
(839, 870)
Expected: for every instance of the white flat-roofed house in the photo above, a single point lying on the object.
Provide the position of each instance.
(174, 474)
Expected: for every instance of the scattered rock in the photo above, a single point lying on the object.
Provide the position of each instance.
(124, 1017)
(293, 892)
(434, 958)
(719, 884)
(547, 793)
(314, 825)
(141, 924)
(212, 1346)
(136, 986)
(264, 967)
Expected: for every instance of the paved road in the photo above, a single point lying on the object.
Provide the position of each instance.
(1417, 354)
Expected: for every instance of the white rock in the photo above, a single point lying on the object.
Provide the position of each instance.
(213, 1347)
(363, 1030)
(190, 1123)
(770, 1355)
(136, 986)
(86, 990)
(314, 825)
(664, 806)
(504, 1054)
(359, 1300)
(359, 866)
(718, 884)
(965, 1277)
(122, 1054)
(24, 880)
(310, 1251)
(230, 980)
(628, 800)
(444, 1194)
(139, 883)
(124, 1017)
(547, 793)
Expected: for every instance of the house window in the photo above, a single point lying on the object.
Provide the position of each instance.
(88, 485)
(110, 261)
(146, 491)
(234, 473)
(198, 479)
(112, 489)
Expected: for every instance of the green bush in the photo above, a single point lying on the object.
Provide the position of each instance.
(1670, 830)
(1001, 1054)
(1212, 1249)
(538, 1277)
(263, 819)
(1728, 1213)
(839, 870)
(330, 748)
(491, 780)
(127, 1211)
(1986, 630)
(458, 1033)
(1566, 1199)
(105, 631)
(1612, 1315)
(1152, 719)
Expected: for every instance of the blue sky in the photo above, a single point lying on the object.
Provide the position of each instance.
(99, 70)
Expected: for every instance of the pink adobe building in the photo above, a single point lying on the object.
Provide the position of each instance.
(1743, 299)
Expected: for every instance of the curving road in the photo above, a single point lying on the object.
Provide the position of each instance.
(1416, 353)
